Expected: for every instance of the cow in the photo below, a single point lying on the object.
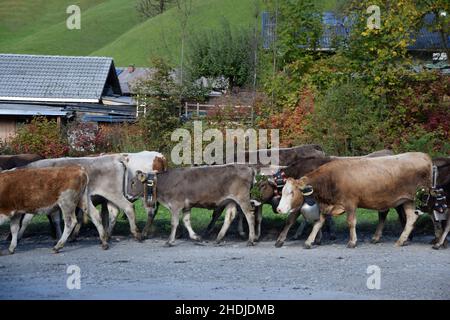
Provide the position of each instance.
(42, 191)
(371, 183)
(110, 174)
(18, 160)
(106, 178)
(208, 187)
(286, 156)
(443, 181)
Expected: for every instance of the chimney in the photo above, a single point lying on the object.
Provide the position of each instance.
(131, 68)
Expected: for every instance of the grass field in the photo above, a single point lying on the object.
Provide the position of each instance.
(113, 28)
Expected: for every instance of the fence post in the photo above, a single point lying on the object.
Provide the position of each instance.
(186, 109)
(198, 109)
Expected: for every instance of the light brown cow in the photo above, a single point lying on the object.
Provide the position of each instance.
(42, 191)
(371, 183)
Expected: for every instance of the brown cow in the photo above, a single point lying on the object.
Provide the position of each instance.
(370, 183)
(42, 191)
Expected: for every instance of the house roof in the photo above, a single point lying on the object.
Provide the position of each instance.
(39, 78)
(129, 76)
(10, 109)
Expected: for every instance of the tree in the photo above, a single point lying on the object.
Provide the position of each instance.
(160, 94)
(151, 8)
(184, 9)
(223, 53)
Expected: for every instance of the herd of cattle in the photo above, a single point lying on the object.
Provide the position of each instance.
(309, 183)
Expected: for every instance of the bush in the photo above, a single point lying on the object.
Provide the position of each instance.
(346, 122)
(40, 136)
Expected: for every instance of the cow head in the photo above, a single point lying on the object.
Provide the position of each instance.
(136, 184)
(267, 189)
(291, 196)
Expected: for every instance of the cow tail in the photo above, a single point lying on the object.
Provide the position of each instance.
(85, 199)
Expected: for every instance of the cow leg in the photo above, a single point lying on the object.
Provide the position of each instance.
(318, 239)
(443, 239)
(300, 229)
(411, 218)
(14, 227)
(25, 221)
(80, 221)
(258, 221)
(331, 227)
(316, 228)
(187, 224)
(70, 221)
(55, 218)
(438, 231)
(127, 207)
(113, 213)
(215, 216)
(402, 219)
(151, 213)
(230, 214)
(250, 216)
(379, 232)
(351, 221)
(241, 231)
(97, 221)
(175, 220)
(289, 223)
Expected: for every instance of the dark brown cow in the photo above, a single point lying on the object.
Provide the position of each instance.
(443, 181)
(286, 156)
(208, 187)
(18, 160)
(370, 183)
(44, 190)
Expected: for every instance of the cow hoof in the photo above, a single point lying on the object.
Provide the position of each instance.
(401, 244)
(242, 235)
(11, 251)
(170, 244)
(105, 246)
(279, 244)
(197, 238)
(436, 246)
(351, 245)
(374, 241)
(250, 243)
(56, 250)
(307, 246)
(138, 237)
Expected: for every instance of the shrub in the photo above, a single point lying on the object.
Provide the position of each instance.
(41, 136)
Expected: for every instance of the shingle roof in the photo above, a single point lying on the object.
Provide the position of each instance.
(56, 78)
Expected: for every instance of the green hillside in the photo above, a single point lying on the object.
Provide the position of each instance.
(161, 35)
(111, 27)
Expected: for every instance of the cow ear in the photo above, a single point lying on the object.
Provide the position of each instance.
(141, 176)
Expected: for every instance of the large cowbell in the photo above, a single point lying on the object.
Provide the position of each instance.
(310, 209)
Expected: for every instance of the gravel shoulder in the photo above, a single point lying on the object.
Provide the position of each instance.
(149, 270)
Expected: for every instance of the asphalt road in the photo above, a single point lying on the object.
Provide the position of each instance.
(149, 270)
